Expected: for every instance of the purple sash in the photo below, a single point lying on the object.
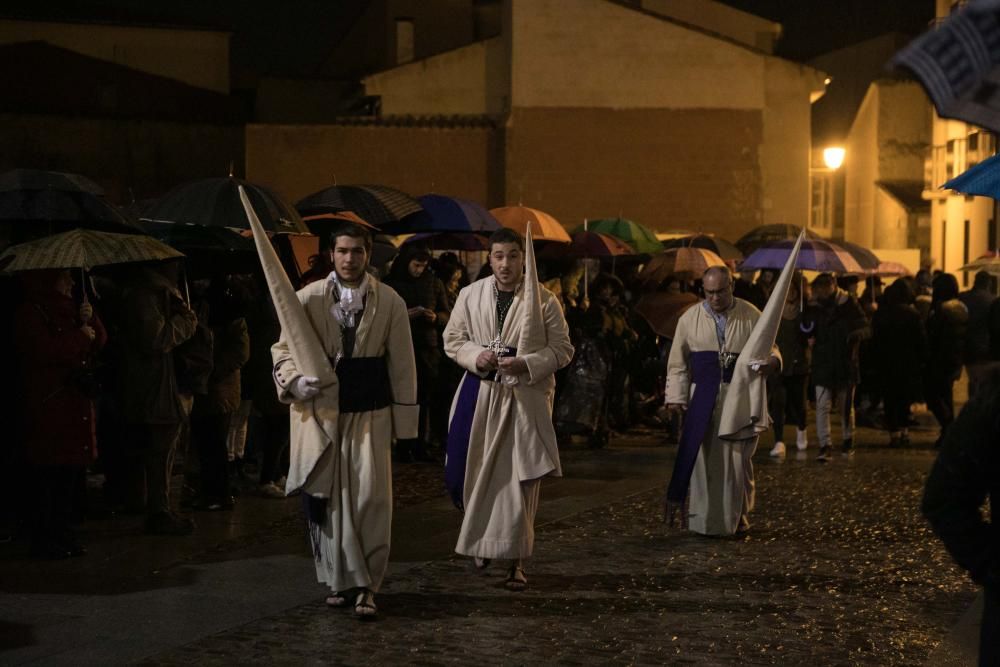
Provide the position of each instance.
(707, 376)
(459, 431)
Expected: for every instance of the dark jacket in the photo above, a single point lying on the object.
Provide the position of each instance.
(155, 320)
(899, 343)
(793, 344)
(946, 329)
(967, 470)
(426, 291)
(57, 361)
(977, 340)
(840, 326)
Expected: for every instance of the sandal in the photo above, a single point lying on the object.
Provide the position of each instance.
(364, 606)
(516, 579)
(480, 563)
(338, 599)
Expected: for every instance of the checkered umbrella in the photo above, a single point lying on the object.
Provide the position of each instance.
(84, 249)
(378, 205)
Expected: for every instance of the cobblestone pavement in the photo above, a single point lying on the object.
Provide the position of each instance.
(839, 569)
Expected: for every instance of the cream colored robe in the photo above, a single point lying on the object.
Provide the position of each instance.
(512, 442)
(722, 485)
(356, 473)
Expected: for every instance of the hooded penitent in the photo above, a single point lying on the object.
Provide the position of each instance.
(744, 412)
(310, 358)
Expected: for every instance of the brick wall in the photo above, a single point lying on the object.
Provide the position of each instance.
(663, 168)
(297, 160)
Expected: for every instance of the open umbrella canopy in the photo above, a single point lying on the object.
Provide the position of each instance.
(208, 249)
(989, 262)
(587, 244)
(446, 214)
(85, 249)
(450, 241)
(215, 202)
(642, 239)
(764, 234)
(687, 263)
(376, 204)
(543, 226)
(58, 198)
(719, 246)
(890, 269)
(982, 179)
(868, 260)
(815, 255)
(663, 310)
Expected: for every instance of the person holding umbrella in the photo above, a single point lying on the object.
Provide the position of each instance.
(56, 341)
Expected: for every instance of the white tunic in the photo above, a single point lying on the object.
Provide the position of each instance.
(512, 441)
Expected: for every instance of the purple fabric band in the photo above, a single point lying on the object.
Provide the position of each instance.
(707, 376)
(459, 430)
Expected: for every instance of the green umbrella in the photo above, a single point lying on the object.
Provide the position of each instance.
(641, 238)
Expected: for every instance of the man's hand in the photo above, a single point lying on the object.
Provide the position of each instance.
(304, 387)
(88, 331)
(414, 312)
(770, 368)
(86, 311)
(430, 315)
(486, 361)
(513, 365)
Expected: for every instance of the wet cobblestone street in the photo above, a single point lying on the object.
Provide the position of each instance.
(839, 568)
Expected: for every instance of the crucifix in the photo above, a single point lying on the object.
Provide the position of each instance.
(497, 347)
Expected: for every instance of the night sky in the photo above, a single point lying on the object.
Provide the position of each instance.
(292, 38)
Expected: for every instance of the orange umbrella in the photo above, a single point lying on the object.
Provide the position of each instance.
(543, 226)
(339, 216)
(686, 262)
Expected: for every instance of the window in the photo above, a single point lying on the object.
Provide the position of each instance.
(965, 255)
(950, 146)
(973, 141)
(991, 234)
(404, 40)
(944, 242)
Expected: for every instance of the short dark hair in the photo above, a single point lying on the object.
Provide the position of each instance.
(721, 270)
(982, 279)
(354, 231)
(506, 235)
(823, 281)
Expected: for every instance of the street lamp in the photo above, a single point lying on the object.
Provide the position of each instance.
(833, 157)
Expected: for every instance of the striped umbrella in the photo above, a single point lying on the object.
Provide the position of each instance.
(543, 226)
(376, 204)
(85, 249)
(641, 238)
(765, 234)
(815, 255)
(685, 262)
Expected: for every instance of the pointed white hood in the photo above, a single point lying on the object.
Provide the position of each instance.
(744, 412)
(533, 336)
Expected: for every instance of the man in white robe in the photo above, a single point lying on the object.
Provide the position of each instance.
(510, 336)
(708, 339)
(364, 329)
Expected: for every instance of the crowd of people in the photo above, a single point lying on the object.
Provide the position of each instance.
(155, 374)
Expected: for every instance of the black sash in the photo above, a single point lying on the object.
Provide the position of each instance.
(364, 384)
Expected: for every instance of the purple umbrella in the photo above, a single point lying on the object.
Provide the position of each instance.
(445, 214)
(448, 241)
(815, 255)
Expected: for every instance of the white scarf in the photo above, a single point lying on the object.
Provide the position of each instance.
(348, 301)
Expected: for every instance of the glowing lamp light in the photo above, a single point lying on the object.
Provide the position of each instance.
(833, 157)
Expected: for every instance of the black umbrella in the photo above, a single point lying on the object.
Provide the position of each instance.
(208, 249)
(375, 204)
(52, 201)
(215, 202)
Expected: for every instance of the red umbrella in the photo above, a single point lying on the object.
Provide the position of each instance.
(588, 244)
(663, 310)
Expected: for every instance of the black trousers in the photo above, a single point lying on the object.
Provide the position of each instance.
(271, 434)
(938, 394)
(57, 491)
(897, 407)
(208, 435)
(787, 403)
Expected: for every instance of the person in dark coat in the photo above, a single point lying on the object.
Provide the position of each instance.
(787, 397)
(155, 321)
(978, 302)
(427, 306)
(966, 472)
(899, 353)
(946, 328)
(840, 326)
(57, 341)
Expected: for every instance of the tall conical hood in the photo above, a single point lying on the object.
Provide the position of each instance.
(533, 322)
(744, 412)
(312, 436)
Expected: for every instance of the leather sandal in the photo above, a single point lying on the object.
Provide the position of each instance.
(516, 579)
(364, 606)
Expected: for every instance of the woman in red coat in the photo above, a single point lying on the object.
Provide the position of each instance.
(56, 341)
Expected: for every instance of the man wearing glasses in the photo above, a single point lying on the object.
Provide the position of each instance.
(708, 340)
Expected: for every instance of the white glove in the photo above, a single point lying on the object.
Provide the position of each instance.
(304, 387)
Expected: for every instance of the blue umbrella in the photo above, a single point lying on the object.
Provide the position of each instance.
(450, 241)
(445, 214)
(815, 255)
(982, 179)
